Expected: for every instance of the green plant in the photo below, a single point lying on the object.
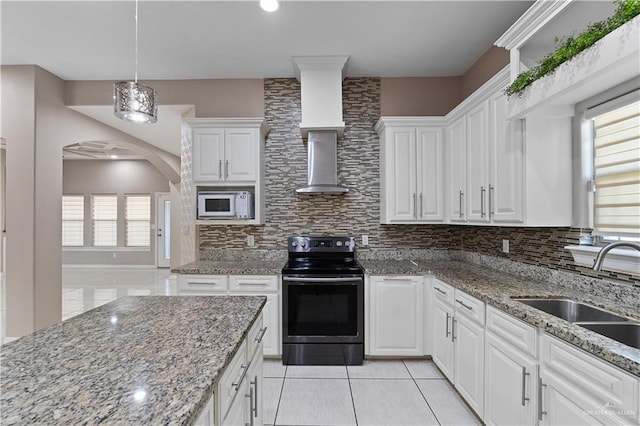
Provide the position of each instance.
(568, 47)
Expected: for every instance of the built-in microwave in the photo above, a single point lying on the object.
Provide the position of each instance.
(225, 205)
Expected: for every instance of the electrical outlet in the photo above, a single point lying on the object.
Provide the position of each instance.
(251, 240)
(365, 240)
(505, 246)
(114, 255)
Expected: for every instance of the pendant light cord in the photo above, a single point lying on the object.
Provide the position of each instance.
(136, 48)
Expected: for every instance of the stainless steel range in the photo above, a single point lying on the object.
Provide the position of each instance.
(322, 303)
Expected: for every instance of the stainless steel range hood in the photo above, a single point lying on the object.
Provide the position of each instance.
(321, 104)
(322, 166)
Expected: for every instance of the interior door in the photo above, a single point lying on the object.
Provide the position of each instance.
(163, 230)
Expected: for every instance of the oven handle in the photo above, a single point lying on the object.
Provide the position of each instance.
(321, 280)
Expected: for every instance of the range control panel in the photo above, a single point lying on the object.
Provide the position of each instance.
(321, 244)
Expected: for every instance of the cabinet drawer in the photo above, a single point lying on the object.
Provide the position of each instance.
(442, 291)
(469, 306)
(253, 283)
(597, 381)
(255, 336)
(233, 378)
(202, 283)
(517, 333)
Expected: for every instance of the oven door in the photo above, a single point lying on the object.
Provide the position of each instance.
(323, 309)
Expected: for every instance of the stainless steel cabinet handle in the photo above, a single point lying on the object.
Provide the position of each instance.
(260, 336)
(453, 328)
(463, 304)
(482, 191)
(421, 204)
(439, 290)
(244, 368)
(415, 207)
(226, 168)
(254, 383)
(447, 326)
(251, 405)
(461, 195)
(220, 169)
(540, 411)
(199, 283)
(524, 385)
(491, 201)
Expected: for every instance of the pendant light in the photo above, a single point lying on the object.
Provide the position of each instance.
(133, 101)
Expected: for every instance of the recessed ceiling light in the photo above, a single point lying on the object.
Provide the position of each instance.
(269, 5)
(113, 156)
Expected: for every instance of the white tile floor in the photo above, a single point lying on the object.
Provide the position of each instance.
(377, 393)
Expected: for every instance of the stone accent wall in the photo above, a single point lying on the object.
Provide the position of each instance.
(355, 213)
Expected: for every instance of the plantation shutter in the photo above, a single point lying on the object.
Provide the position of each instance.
(72, 220)
(138, 220)
(617, 171)
(104, 215)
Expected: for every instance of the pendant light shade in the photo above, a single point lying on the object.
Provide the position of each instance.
(135, 102)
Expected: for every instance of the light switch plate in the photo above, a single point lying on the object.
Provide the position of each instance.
(365, 240)
(251, 240)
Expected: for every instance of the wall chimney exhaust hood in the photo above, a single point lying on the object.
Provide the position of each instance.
(321, 101)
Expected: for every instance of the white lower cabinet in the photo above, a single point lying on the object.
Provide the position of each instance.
(396, 315)
(242, 285)
(578, 389)
(208, 415)
(458, 341)
(510, 370)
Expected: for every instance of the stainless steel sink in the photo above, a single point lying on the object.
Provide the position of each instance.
(626, 333)
(572, 311)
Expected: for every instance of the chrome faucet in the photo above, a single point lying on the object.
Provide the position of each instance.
(597, 266)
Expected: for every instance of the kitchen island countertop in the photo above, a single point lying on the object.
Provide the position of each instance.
(137, 360)
(498, 289)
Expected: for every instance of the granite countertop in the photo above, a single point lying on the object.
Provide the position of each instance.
(498, 288)
(232, 267)
(137, 360)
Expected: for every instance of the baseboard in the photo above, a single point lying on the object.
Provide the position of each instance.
(82, 266)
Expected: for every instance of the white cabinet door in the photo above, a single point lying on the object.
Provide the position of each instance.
(442, 344)
(396, 316)
(208, 155)
(506, 191)
(402, 152)
(469, 361)
(457, 161)
(241, 152)
(255, 391)
(478, 163)
(271, 312)
(430, 182)
(510, 384)
(207, 417)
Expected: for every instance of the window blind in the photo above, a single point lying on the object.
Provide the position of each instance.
(104, 215)
(72, 220)
(138, 220)
(617, 172)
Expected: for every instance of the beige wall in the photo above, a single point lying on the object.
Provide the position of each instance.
(436, 96)
(87, 177)
(430, 96)
(492, 61)
(211, 98)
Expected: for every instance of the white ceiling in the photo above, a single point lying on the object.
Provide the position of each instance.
(93, 40)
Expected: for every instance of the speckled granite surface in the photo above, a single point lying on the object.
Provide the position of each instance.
(237, 267)
(497, 288)
(135, 361)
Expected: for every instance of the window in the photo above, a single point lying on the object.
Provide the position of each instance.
(616, 165)
(72, 220)
(104, 217)
(138, 220)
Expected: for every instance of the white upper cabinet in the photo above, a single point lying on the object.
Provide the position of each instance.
(478, 163)
(227, 150)
(457, 165)
(411, 169)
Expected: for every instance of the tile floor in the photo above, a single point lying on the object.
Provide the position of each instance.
(376, 393)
